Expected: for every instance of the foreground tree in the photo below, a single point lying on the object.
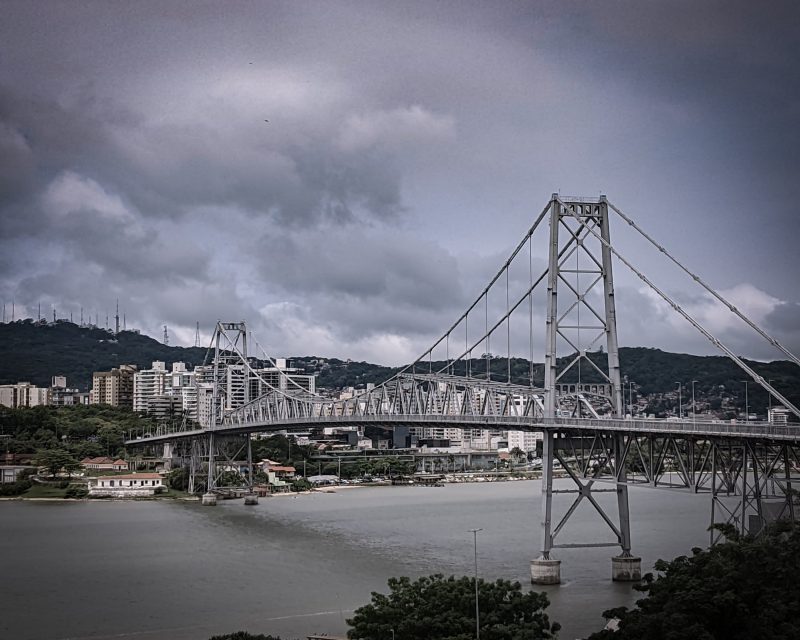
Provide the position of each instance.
(439, 608)
(244, 635)
(746, 588)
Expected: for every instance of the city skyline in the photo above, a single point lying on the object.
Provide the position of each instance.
(347, 177)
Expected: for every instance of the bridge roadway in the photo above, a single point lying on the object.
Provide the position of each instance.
(742, 430)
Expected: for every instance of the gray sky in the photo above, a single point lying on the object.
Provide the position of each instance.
(409, 146)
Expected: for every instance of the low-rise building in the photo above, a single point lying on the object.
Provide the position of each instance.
(9, 473)
(778, 415)
(104, 464)
(134, 485)
(23, 394)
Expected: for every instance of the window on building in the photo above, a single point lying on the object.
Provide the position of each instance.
(112, 483)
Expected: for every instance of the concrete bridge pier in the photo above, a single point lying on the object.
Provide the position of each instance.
(626, 568)
(209, 499)
(545, 571)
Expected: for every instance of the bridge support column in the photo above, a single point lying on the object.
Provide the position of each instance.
(626, 569)
(546, 570)
(209, 500)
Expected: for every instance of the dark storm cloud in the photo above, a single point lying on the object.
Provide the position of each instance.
(347, 176)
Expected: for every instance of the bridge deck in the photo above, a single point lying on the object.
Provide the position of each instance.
(746, 430)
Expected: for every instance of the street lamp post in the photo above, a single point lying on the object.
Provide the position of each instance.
(694, 409)
(746, 403)
(477, 607)
(680, 401)
(630, 397)
(769, 395)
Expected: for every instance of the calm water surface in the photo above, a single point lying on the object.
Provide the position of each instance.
(293, 566)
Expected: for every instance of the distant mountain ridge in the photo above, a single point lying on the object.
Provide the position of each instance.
(34, 352)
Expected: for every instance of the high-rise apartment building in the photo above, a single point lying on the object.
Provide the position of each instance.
(524, 440)
(113, 387)
(147, 384)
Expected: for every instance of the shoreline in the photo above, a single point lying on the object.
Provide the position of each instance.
(334, 488)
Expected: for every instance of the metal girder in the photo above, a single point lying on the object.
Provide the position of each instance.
(750, 481)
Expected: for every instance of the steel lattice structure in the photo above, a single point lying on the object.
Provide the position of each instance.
(747, 469)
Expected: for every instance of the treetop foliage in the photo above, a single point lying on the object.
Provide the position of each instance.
(439, 608)
(743, 589)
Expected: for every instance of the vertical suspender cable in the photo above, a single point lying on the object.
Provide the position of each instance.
(742, 365)
(508, 328)
(697, 279)
(530, 308)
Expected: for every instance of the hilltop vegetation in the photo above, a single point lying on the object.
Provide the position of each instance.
(34, 352)
(81, 431)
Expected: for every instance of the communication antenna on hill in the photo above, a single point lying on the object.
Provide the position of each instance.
(116, 319)
(54, 313)
(81, 316)
(70, 316)
(39, 312)
(197, 335)
(124, 323)
(106, 320)
(13, 311)
(4, 313)
(166, 335)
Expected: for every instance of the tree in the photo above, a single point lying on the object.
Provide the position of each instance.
(439, 608)
(54, 460)
(744, 588)
(243, 635)
(179, 479)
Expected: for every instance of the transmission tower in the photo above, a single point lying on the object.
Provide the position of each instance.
(197, 335)
(166, 335)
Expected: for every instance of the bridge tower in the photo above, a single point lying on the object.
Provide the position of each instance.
(231, 388)
(581, 320)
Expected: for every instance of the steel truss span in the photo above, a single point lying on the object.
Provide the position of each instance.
(577, 400)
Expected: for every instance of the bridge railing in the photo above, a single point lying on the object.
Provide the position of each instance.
(765, 429)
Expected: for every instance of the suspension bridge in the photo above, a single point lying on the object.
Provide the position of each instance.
(564, 266)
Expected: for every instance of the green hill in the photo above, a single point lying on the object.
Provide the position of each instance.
(34, 352)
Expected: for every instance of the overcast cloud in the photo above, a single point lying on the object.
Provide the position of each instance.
(347, 176)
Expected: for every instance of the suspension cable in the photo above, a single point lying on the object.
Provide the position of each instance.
(773, 341)
(743, 365)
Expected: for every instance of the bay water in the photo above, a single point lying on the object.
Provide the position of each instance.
(291, 566)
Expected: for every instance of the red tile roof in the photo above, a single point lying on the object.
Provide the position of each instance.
(135, 476)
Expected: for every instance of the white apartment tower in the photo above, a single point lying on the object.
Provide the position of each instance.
(147, 384)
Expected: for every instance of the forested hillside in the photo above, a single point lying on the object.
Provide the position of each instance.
(35, 352)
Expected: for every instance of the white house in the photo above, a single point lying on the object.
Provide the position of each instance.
(134, 485)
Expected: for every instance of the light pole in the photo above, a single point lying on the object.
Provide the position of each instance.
(477, 608)
(746, 403)
(769, 395)
(680, 401)
(694, 409)
(630, 397)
